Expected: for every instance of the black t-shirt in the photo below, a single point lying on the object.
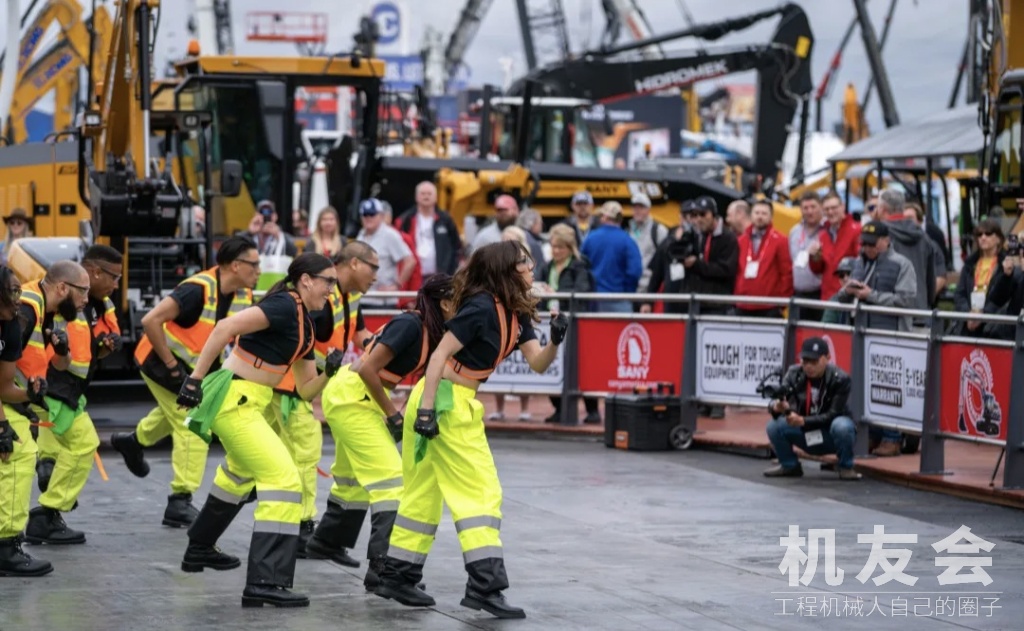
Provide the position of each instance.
(189, 297)
(10, 340)
(276, 344)
(323, 321)
(27, 322)
(476, 326)
(404, 336)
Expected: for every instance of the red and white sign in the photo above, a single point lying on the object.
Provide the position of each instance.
(975, 397)
(618, 354)
(840, 344)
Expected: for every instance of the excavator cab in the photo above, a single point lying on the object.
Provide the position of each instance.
(1005, 150)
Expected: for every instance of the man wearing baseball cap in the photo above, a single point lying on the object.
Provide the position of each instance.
(614, 259)
(812, 413)
(648, 233)
(582, 219)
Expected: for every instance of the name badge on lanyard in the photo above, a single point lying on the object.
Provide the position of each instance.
(802, 259)
(751, 269)
(977, 300)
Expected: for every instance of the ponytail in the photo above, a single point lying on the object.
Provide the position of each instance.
(436, 288)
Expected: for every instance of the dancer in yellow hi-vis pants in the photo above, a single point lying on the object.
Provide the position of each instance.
(446, 458)
(367, 468)
(274, 337)
(17, 449)
(55, 339)
(176, 330)
(292, 418)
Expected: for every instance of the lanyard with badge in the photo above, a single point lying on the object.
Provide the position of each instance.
(981, 284)
(803, 258)
(754, 264)
(813, 437)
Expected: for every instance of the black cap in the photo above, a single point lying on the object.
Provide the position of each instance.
(871, 233)
(688, 207)
(813, 348)
(705, 204)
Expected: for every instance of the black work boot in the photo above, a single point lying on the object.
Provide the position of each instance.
(200, 555)
(493, 603)
(372, 579)
(404, 593)
(259, 595)
(127, 444)
(398, 580)
(180, 513)
(45, 525)
(337, 531)
(306, 530)
(16, 562)
(44, 471)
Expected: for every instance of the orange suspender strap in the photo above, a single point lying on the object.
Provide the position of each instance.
(509, 332)
(277, 369)
(391, 377)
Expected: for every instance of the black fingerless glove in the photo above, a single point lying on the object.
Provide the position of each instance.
(59, 341)
(7, 437)
(395, 426)
(114, 342)
(559, 327)
(37, 393)
(333, 362)
(191, 393)
(426, 423)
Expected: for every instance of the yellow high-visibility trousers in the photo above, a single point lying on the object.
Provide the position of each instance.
(188, 451)
(255, 457)
(303, 437)
(16, 477)
(74, 454)
(367, 467)
(457, 470)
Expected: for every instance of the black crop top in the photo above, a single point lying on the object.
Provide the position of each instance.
(404, 336)
(276, 345)
(476, 326)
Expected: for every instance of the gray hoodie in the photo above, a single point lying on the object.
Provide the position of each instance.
(910, 240)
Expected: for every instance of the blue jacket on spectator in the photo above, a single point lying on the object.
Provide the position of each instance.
(614, 260)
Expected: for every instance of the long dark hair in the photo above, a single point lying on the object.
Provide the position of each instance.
(428, 305)
(309, 263)
(7, 298)
(492, 269)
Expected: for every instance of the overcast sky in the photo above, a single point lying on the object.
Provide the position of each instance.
(921, 56)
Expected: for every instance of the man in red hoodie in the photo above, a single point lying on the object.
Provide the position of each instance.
(765, 267)
(839, 239)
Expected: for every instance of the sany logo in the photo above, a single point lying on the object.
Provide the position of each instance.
(980, 412)
(634, 352)
(681, 76)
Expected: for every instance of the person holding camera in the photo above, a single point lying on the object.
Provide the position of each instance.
(811, 410)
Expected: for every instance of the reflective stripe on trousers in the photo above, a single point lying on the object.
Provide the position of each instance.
(303, 437)
(458, 470)
(16, 477)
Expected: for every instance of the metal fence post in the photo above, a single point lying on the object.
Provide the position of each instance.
(569, 413)
(688, 383)
(788, 351)
(857, 372)
(1013, 469)
(933, 447)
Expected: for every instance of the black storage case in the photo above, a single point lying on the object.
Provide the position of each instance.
(642, 420)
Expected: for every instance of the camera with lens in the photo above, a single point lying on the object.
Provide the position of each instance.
(686, 246)
(1013, 245)
(773, 387)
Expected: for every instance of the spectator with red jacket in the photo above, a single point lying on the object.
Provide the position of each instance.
(765, 266)
(839, 240)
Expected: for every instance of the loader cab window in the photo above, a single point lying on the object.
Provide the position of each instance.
(1006, 148)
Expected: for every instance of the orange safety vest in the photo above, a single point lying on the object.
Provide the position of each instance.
(344, 330)
(390, 377)
(187, 343)
(509, 331)
(34, 357)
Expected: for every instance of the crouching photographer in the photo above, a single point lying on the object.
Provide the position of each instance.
(810, 409)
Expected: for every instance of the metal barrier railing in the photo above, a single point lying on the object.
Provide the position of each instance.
(925, 381)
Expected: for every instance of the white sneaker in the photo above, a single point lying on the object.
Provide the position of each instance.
(525, 416)
(495, 416)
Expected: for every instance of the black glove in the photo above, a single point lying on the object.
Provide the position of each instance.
(37, 392)
(7, 437)
(426, 423)
(59, 341)
(395, 426)
(113, 341)
(191, 393)
(559, 327)
(175, 375)
(333, 362)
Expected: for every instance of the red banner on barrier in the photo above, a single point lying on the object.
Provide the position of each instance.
(620, 354)
(975, 398)
(840, 344)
